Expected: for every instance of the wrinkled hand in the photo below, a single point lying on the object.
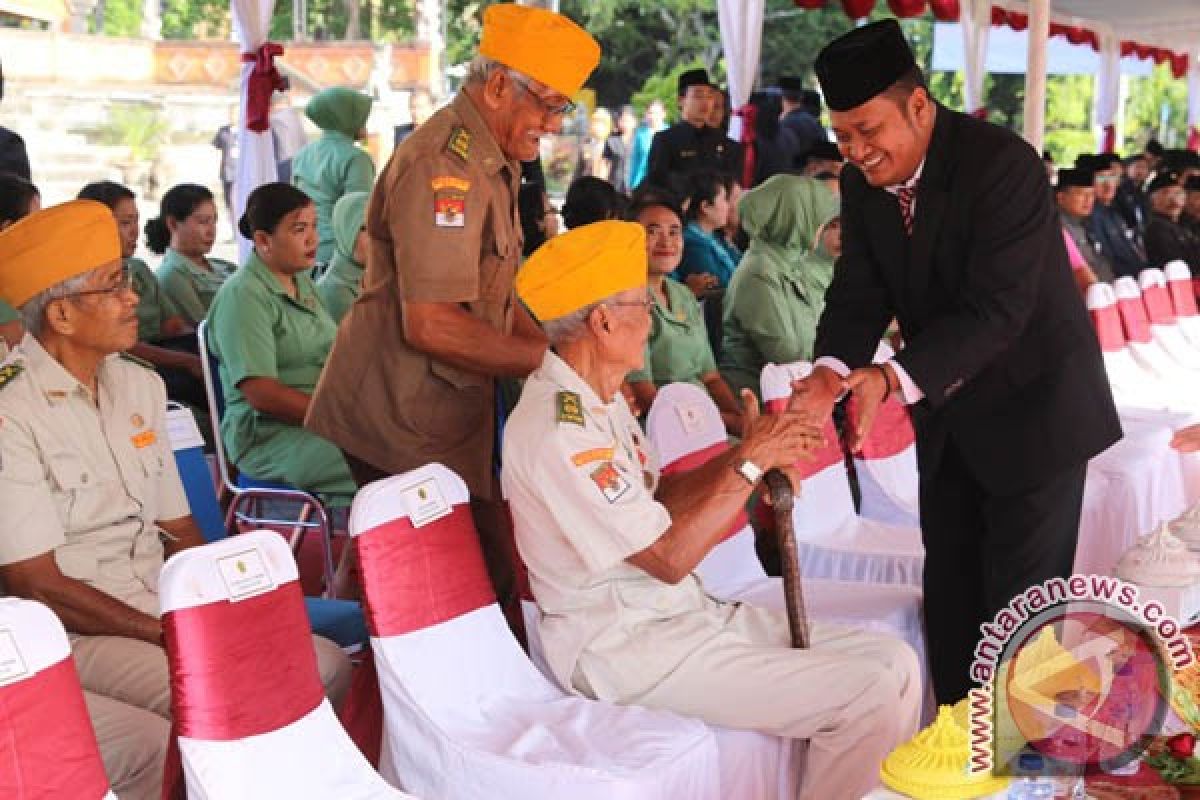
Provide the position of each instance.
(777, 440)
(817, 394)
(870, 387)
(701, 282)
(1187, 440)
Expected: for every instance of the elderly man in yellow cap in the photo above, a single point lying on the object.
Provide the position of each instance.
(411, 378)
(90, 499)
(611, 546)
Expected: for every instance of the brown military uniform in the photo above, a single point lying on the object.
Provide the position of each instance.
(443, 228)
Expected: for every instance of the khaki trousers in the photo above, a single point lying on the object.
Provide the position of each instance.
(853, 695)
(128, 695)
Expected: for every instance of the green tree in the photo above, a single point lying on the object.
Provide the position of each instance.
(1148, 98)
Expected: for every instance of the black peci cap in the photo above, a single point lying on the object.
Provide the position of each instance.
(694, 77)
(858, 66)
(1078, 176)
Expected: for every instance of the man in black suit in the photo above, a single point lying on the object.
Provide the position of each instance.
(690, 145)
(948, 226)
(801, 116)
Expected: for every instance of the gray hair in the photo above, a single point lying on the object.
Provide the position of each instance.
(33, 312)
(481, 68)
(573, 326)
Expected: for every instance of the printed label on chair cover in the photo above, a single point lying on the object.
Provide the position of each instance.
(424, 502)
(245, 574)
(12, 664)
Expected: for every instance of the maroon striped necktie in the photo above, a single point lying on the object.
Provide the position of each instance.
(906, 196)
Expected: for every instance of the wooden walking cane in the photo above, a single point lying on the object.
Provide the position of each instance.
(782, 501)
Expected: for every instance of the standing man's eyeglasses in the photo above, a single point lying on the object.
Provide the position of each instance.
(549, 109)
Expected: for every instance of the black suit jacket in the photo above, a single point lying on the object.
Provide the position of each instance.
(997, 336)
(682, 149)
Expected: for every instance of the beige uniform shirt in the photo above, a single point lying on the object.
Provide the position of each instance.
(443, 228)
(87, 481)
(580, 479)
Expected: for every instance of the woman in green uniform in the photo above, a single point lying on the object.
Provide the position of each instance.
(271, 335)
(342, 282)
(184, 233)
(677, 349)
(777, 294)
(334, 165)
(165, 339)
(18, 199)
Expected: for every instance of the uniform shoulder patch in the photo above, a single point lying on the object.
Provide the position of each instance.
(460, 143)
(569, 408)
(9, 371)
(132, 359)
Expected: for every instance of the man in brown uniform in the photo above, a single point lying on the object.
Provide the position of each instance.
(411, 378)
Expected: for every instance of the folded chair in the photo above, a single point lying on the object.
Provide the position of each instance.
(685, 427)
(338, 620)
(48, 750)
(832, 540)
(466, 713)
(247, 702)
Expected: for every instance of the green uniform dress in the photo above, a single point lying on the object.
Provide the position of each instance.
(334, 165)
(256, 330)
(8, 313)
(154, 307)
(342, 282)
(778, 292)
(677, 349)
(190, 288)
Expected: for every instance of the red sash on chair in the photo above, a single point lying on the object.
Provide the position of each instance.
(1133, 315)
(414, 578)
(1183, 297)
(238, 669)
(892, 432)
(48, 750)
(1107, 321)
(1158, 304)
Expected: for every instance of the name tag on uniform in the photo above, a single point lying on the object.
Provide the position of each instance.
(245, 574)
(144, 439)
(12, 663)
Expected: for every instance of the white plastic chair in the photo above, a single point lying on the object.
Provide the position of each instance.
(685, 426)
(466, 713)
(247, 699)
(832, 540)
(1183, 299)
(48, 749)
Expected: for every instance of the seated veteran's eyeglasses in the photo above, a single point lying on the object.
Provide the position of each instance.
(125, 283)
(549, 109)
(646, 302)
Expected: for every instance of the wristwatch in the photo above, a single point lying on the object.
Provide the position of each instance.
(750, 471)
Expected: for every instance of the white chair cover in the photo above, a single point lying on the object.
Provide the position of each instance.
(310, 758)
(1149, 296)
(48, 750)
(732, 570)
(832, 540)
(1183, 299)
(466, 713)
(1146, 351)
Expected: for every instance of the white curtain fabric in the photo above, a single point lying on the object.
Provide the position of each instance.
(256, 151)
(1194, 99)
(976, 22)
(1108, 87)
(741, 23)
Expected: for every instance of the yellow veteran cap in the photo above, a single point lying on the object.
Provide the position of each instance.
(582, 266)
(48, 247)
(546, 46)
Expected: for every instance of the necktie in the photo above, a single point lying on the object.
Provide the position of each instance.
(907, 195)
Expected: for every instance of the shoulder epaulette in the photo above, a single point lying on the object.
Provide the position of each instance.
(9, 371)
(459, 143)
(569, 408)
(132, 359)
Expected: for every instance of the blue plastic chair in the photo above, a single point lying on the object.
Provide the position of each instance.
(249, 493)
(340, 621)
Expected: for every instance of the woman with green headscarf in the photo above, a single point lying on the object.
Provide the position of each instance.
(777, 294)
(334, 165)
(342, 282)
